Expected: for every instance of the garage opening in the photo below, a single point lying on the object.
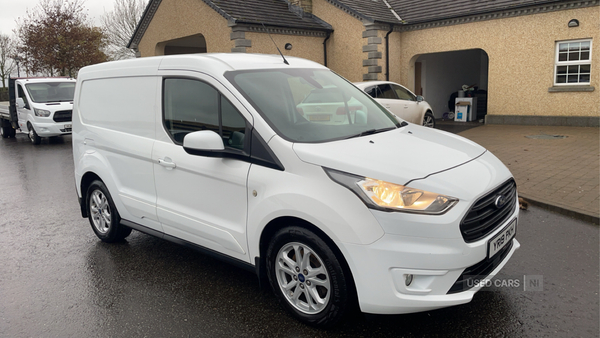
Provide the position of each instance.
(440, 78)
(187, 45)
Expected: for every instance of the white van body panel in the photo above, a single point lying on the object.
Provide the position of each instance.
(225, 204)
(117, 114)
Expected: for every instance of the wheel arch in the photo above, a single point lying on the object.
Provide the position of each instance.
(278, 223)
(86, 181)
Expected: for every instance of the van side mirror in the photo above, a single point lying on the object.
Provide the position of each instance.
(420, 98)
(20, 103)
(204, 141)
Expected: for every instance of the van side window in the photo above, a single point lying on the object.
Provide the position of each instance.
(233, 125)
(192, 105)
(22, 95)
(189, 105)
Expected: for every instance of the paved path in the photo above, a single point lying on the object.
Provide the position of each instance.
(560, 173)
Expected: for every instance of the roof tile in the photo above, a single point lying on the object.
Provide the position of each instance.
(268, 12)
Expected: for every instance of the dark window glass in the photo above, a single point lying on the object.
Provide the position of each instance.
(372, 91)
(562, 57)
(234, 125)
(189, 105)
(584, 68)
(387, 92)
(192, 105)
(573, 69)
(585, 55)
(584, 78)
(404, 94)
(22, 95)
(561, 69)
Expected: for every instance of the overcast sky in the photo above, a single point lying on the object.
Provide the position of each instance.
(10, 10)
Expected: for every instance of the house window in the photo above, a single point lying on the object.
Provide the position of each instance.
(573, 62)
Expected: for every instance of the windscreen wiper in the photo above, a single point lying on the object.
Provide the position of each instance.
(371, 132)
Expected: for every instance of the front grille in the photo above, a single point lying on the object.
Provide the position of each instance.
(485, 217)
(479, 271)
(63, 116)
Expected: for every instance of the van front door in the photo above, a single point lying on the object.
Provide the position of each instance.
(200, 199)
(23, 110)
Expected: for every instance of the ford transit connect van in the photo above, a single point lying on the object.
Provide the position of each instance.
(333, 205)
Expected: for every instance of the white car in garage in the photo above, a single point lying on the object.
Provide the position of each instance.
(400, 101)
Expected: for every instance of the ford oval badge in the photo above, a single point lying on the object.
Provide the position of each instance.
(500, 201)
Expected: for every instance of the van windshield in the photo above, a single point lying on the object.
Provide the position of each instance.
(311, 105)
(51, 91)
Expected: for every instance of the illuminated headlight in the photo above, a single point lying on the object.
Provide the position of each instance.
(382, 195)
(41, 112)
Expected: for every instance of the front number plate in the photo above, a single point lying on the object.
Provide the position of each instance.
(502, 239)
(68, 126)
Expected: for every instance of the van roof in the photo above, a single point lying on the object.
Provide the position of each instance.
(44, 79)
(211, 63)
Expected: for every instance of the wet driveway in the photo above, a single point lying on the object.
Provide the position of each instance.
(58, 280)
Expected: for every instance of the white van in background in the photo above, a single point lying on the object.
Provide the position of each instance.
(40, 107)
(220, 152)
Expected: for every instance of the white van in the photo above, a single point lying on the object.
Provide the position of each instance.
(211, 151)
(40, 107)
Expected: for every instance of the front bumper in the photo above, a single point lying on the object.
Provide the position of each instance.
(52, 129)
(436, 264)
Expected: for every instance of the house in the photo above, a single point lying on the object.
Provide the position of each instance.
(531, 61)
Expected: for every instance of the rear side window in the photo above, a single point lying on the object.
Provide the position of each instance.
(191, 105)
(404, 94)
(374, 92)
(386, 92)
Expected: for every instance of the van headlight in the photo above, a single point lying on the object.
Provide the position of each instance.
(386, 196)
(41, 112)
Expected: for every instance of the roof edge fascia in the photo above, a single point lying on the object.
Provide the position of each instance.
(148, 15)
(143, 24)
(499, 14)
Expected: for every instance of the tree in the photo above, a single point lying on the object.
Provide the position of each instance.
(56, 39)
(7, 53)
(119, 26)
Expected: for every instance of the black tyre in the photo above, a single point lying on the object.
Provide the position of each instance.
(307, 277)
(429, 120)
(5, 128)
(104, 217)
(33, 136)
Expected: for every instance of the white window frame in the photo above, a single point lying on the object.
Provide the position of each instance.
(571, 63)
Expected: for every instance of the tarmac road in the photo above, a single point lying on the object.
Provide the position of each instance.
(58, 280)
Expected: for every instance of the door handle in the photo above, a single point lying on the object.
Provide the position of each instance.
(167, 163)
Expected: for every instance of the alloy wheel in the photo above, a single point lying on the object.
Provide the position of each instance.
(100, 211)
(303, 278)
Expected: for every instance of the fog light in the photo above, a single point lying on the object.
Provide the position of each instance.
(408, 279)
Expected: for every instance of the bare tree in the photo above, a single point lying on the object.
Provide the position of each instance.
(7, 53)
(119, 26)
